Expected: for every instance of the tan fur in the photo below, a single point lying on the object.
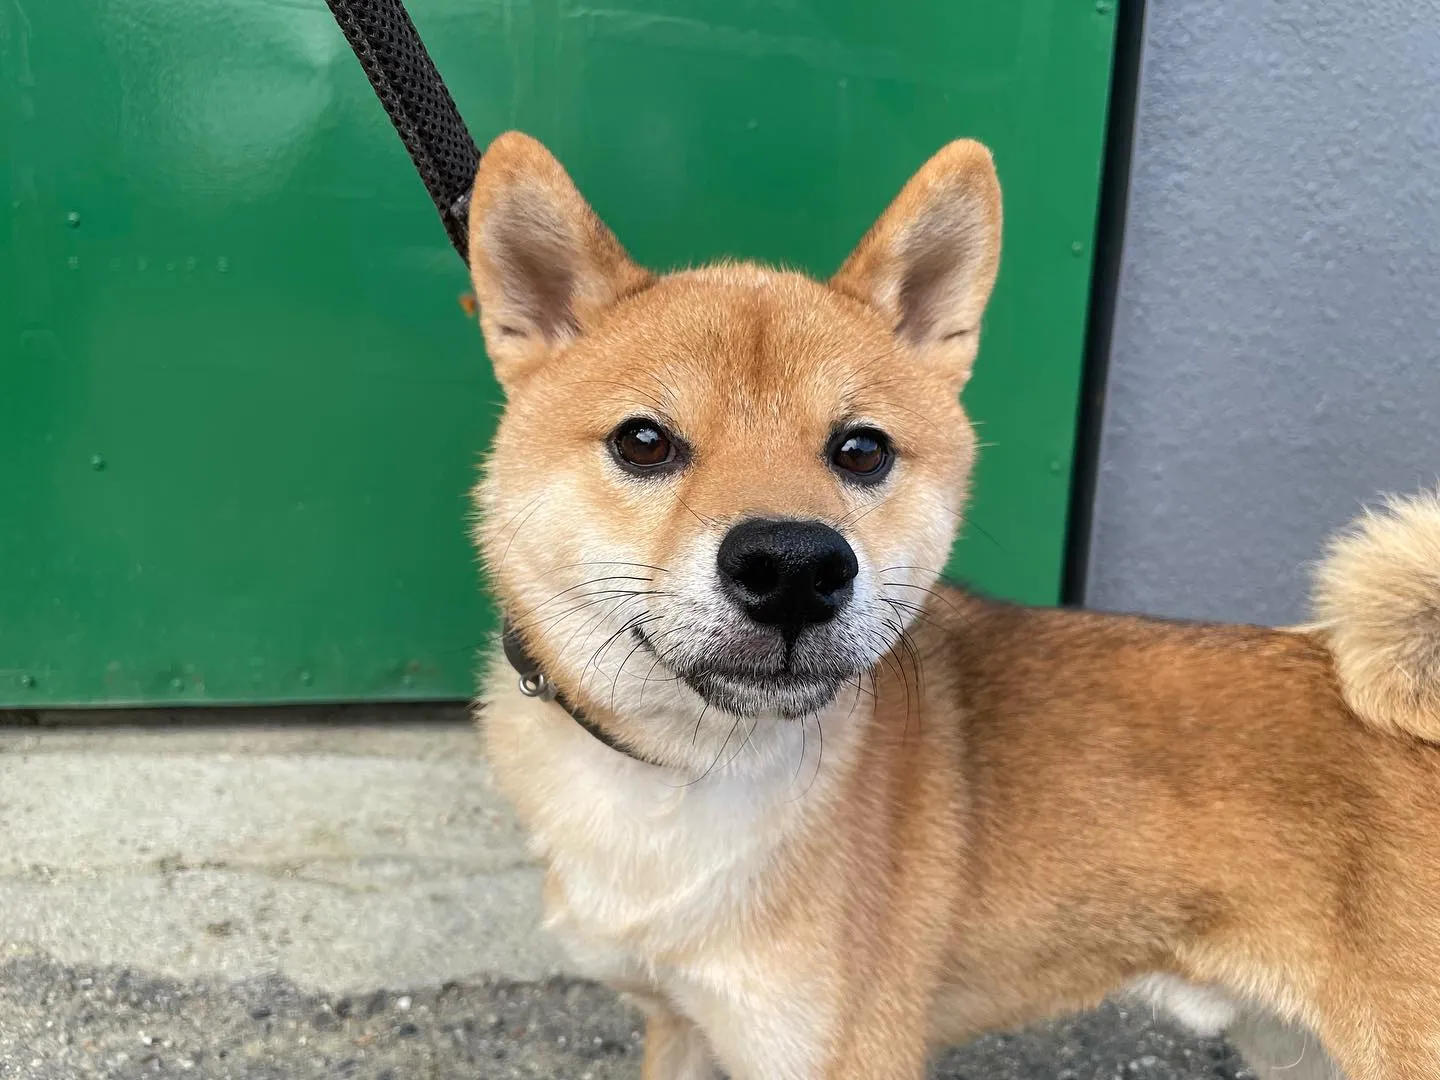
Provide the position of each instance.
(1009, 812)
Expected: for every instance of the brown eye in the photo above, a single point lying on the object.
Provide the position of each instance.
(862, 454)
(642, 445)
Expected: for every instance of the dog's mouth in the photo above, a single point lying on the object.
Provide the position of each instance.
(752, 690)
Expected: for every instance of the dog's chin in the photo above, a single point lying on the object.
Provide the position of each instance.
(728, 682)
(784, 694)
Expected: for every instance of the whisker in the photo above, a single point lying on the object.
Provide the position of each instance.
(801, 763)
(593, 594)
(731, 760)
(611, 562)
(849, 522)
(649, 677)
(914, 610)
(590, 626)
(912, 652)
(695, 739)
(970, 522)
(893, 663)
(707, 522)
(589, 600)
(615, 685)
(629, 624)
(582, 585)
(924, 589)
(605, 645)
(819, 757)
(531, 508)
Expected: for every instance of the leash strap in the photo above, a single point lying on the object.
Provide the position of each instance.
(425, 117)
(407, 83)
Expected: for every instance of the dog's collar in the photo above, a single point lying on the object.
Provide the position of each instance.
(536, 684)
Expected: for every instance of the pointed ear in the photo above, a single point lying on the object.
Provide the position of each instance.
(544, 266)
(929, 263)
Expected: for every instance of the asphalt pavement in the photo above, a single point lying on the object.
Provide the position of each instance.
(59, 1022)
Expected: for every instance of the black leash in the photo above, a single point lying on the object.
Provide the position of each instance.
(408, 85)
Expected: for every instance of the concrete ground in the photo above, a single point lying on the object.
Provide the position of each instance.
(342, 897)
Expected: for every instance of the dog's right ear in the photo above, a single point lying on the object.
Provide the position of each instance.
(929, 263)
(544, 266)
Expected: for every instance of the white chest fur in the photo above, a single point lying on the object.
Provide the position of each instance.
(660, 880)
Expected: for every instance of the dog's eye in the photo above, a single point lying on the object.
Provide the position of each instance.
(862, 454)
(643, 444)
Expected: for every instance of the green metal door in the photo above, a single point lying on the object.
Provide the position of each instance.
(240, 404)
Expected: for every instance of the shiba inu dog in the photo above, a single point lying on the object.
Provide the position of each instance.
(819, 812)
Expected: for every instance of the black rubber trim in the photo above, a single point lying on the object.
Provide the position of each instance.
(1104, 285)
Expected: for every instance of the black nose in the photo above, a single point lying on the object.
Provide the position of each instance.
(789, 574)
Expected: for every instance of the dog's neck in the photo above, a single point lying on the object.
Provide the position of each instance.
(535, 683)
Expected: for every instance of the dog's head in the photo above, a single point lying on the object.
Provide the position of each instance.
(723, 488)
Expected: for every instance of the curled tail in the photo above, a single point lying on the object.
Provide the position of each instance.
(1377, 602)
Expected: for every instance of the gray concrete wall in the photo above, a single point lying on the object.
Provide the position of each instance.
(1276, 351)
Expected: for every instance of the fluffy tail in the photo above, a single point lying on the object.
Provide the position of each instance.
(1377, 600)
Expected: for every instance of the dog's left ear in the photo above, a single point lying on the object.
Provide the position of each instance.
(928, 265)
(545, 267)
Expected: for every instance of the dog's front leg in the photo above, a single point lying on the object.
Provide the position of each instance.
(675, 1048)
(884, 1034)
(880, 1053)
